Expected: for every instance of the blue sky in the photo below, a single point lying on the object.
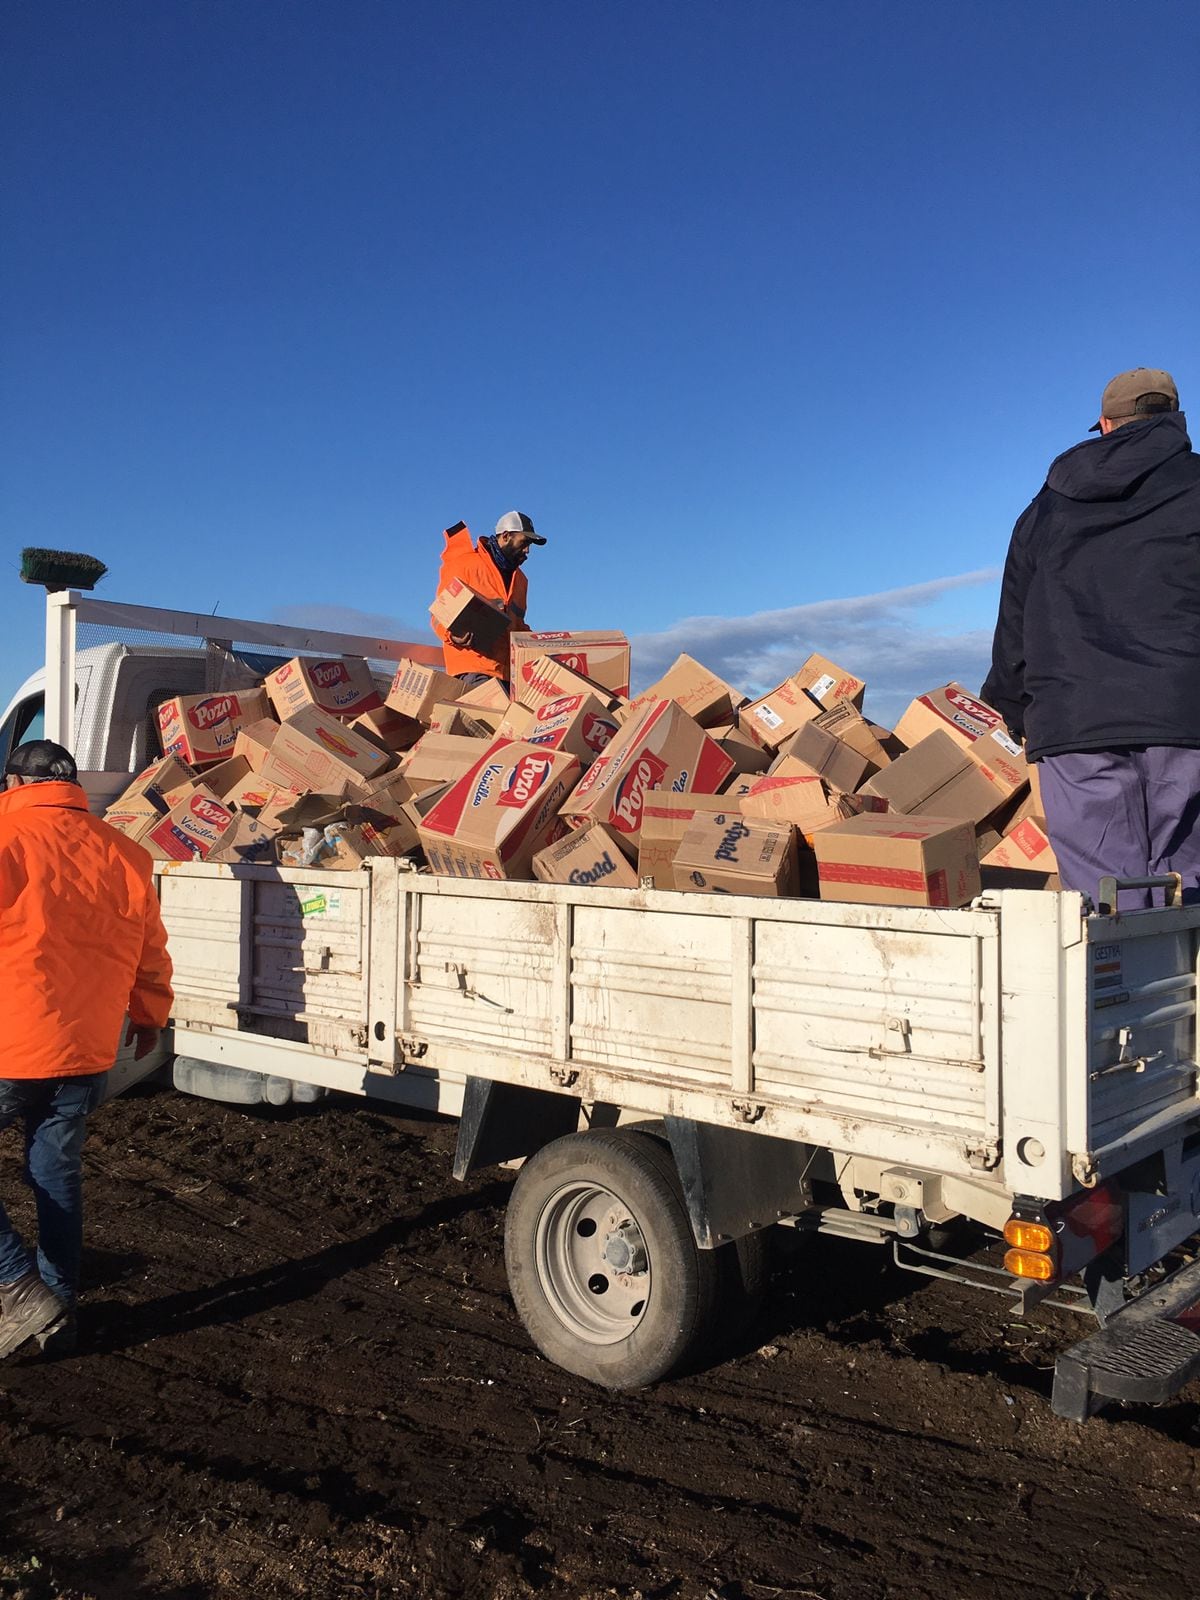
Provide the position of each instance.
(753, 307)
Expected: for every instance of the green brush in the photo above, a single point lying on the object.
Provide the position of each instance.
(60, 569)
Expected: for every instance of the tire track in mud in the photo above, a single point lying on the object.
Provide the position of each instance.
(335, 1397)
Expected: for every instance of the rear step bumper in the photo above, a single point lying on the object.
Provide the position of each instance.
(1145, 1352)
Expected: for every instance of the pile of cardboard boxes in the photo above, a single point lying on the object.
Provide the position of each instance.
(691, 786)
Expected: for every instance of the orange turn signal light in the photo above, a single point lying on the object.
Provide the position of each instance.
(1028, 1235)
(1030, 1264)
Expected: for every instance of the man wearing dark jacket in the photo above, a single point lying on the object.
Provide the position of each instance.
(1096, 659)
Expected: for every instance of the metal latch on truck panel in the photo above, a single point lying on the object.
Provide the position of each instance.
(1126, 1060)
(459, 971)
(903, 1027)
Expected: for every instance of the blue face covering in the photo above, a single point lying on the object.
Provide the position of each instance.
(505, 565)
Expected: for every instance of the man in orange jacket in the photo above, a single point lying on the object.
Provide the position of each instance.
(83, 943)
(493, 569)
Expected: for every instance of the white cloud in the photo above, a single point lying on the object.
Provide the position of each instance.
(879, 637)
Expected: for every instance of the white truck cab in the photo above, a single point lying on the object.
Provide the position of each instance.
(118, 688)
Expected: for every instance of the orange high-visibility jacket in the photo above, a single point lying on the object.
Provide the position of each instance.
(471, 564)
(81, 939)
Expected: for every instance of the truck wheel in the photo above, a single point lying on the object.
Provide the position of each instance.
(602, 1263)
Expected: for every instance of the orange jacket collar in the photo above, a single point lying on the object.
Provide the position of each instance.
(66, 796)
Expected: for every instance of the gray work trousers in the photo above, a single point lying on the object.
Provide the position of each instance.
(1131, 813)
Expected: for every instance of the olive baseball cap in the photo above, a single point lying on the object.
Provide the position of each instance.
(1123, 392)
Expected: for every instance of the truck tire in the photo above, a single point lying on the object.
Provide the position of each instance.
(743, 1265)
(602, 1263)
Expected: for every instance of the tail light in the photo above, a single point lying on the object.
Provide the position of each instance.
(1055, 1240)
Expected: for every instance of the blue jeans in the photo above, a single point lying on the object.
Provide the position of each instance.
(54, 1112)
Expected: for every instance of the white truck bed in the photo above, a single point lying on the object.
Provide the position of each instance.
(1018, 1044)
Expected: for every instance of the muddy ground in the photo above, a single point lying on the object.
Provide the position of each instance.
(303, 1376)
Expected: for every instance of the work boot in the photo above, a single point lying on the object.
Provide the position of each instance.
(26, 1307)
(61, 1338)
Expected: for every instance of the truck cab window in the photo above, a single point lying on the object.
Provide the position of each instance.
(24, 722)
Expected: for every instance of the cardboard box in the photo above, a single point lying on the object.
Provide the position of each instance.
(481, 722)
(389, 727)
(446, 718)
(1035, 787)
(249, 841)
(577, 723)
(937, 778)
(149, 796)
(974, 727)
(191, 830)
(201, 728)
(439, 758)
(805, 801)
(416, 690)
(728, 853)
(898, 861)
(603, 657)
(741, 783)
(989, 834)
(876, 745)
(280, 804)
(666, 817)
(235, 783)
(494, 820)
(817, 686)
(826, 756)
(342, 686)
(740, 748)
(313, 751)
(589, 856)
(416, 807)
(489, 696)
(542, 678)
(706, 698)
(662, 748)
(460, 609)
(517, 721)
(1026, 848)
(254, 741)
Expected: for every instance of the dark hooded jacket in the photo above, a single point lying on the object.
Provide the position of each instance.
(1097, 644)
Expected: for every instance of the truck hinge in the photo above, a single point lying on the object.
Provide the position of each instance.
(748, 1110)
(983, 1157)
(413, 1049)
(1085, 1169)
(566, 1076)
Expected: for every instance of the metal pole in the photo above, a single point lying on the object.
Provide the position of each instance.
(60, 667)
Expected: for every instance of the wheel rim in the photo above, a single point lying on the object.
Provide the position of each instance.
(593, 1263)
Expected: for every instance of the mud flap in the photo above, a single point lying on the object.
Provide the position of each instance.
(502, 1121)
(734, 1182)
(1145, 1352)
